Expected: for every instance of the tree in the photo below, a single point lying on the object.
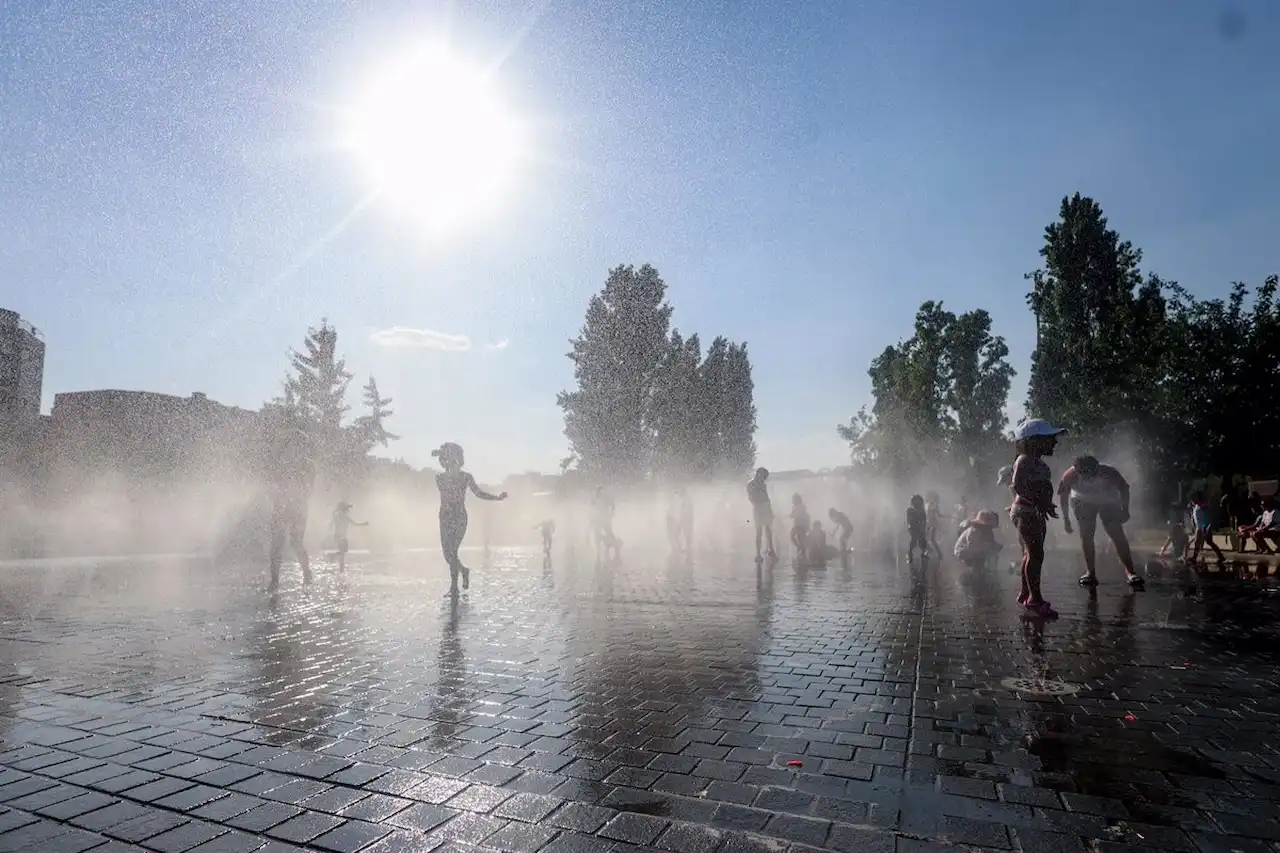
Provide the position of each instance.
(680, 431)
(906, 413)
(736, 423)
(1220, 362)
(1099, 326)
(371, 427)
(315, 397)
(318, 385)
(976, 376)
(617, 357)
(861, 435)
(938, 395)
(709, 407)
(706, 414)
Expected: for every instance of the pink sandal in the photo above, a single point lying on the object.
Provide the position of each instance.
(1040, 610)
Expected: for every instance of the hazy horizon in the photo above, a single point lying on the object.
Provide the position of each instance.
(179, 210)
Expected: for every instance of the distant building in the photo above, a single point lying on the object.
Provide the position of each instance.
(21, 370)
(144, 435)
(793, 475)
(530, 483)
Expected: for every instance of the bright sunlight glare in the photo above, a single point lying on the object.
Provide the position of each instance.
(434, 138)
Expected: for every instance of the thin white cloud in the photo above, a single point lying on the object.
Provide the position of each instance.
(502, 344)
(407, 338)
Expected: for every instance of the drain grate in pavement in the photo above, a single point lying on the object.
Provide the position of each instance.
(1040, 686)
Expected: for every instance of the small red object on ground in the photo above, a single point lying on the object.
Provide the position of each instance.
(1130, 718)
(795, 763)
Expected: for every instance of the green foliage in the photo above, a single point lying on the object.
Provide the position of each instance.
(314, 399)
(371, 426)
(1098, 326)
(939, 397)
(318, 384)
(1119, 355)
(647, 402)
(618, 357)
(680, 446)
(734, 415)
(977, 386)
(1121, 359)
(1221, 365)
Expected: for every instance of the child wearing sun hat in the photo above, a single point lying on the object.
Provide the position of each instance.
(977, 543)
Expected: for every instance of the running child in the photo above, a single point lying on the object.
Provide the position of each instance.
(341, 523)
(684, 517)
(800, 524)
(843, 526)
(547, 528)
(917, 531)
(934, 518)
(1203, 523)
(292, 475)
(1178, 541)
(675, 529)
(453, 483)
(602, 511)
(761, 512)
(1033, 506)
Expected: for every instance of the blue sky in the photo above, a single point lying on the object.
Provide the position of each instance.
(802, 174)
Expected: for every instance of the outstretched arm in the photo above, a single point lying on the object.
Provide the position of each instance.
(481, 493)
(1065, 485)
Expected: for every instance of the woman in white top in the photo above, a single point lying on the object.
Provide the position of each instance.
(1096, 492)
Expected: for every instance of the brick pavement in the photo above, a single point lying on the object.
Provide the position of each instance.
(168, 707)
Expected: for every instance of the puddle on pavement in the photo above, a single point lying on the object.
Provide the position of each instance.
(1096, 768)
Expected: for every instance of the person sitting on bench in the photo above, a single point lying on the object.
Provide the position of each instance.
(1265, 532)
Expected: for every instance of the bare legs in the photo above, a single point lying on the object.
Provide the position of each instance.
(453, 529)
(1115, 532)
(1088, 516)
(288, 521)
(1203, 538)
(1032, 528)
(764, 528)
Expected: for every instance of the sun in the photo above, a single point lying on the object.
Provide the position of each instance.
(434, 137)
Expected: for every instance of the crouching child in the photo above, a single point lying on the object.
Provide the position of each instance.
(977, 545)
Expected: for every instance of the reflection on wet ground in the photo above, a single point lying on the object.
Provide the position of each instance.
(663, 705)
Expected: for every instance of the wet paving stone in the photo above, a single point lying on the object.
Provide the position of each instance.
(709, 709)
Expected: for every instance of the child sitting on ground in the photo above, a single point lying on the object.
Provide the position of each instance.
(977, 543)
(817, 551)
(1265, 532)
